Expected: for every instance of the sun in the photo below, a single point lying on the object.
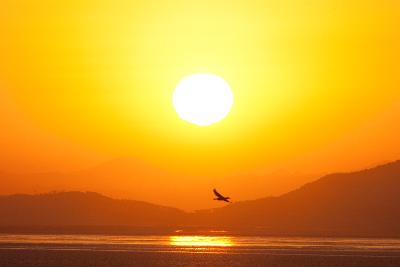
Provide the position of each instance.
(202, 99)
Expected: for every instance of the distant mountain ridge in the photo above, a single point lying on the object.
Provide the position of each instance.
(363, 203)
(82, 208)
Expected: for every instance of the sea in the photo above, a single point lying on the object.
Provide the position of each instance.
(76, 250)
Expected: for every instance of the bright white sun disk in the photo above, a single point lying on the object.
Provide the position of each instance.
(202, 99)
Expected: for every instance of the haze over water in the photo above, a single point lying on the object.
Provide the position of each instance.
(182, 250)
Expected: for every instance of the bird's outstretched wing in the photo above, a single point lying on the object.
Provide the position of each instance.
(218, 194)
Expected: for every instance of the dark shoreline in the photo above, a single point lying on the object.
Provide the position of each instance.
(167, 231)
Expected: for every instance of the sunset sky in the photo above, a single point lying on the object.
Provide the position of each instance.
(316, 88)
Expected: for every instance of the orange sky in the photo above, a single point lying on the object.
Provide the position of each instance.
(85, 82)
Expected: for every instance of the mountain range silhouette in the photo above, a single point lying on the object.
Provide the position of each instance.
(364, 203)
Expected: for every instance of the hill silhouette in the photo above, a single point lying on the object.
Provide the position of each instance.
(353, 204)
(82, 209)
(364, 203)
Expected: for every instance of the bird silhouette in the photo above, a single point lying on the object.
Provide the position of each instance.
(220, 197)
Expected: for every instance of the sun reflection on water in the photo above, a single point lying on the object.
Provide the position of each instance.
(201, 241)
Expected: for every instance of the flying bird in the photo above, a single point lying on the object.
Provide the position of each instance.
(220, 197)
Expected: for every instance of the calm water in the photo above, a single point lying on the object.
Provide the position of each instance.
(180, 250)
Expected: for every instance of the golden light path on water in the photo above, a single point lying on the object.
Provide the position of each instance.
(203, 244)
(201, 241)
